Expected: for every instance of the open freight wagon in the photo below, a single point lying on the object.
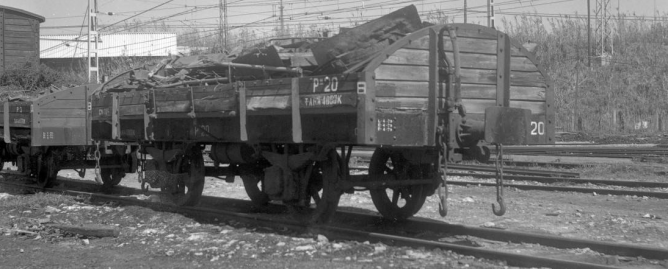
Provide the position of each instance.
(44, 134)
(421, 99)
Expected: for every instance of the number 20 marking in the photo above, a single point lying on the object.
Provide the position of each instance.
(331, 84)
(537, 128)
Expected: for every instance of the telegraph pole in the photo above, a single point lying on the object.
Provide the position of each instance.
(93, 38)
(222, 4)
(490, 13)
(588, 34)
(465, 11)
(282, 22)
(488, 18)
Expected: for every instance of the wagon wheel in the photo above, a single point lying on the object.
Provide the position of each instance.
(190, 186)
(111, 176)
(253, 177)
(399, 202)
(322, 189)
(47, 170)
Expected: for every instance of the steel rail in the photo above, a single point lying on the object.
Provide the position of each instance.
(518, 171)
(624, 183)
(513, 170)
(512, 259)
(662, 195)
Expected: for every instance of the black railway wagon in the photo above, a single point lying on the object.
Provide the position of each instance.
(19, 37)
(421, 101)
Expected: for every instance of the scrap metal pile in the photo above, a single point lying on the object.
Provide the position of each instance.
(349, 51)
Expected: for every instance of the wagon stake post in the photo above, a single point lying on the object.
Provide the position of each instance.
(499, 181)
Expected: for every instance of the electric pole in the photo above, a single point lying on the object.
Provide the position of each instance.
(605, 33)
(282, 22)
(93, 38)
(490, 13)
(465, 11)
(223, 24)
(588, 34)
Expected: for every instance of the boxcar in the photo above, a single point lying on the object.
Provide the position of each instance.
(19, 37)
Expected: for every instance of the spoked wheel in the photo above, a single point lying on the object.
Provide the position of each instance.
(47, 169)
(322, 190)
(253, 177)
(401, 202)
(190, 186)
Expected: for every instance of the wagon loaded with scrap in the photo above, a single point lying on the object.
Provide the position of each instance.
(421, 95)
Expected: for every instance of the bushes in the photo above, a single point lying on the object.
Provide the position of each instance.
(626, 88)
(29, 76)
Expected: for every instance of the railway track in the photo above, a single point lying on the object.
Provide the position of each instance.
(550, 177)
(598, 191)
(589, 151)
(392, 234)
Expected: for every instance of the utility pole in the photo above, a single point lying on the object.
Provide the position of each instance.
(605, 33)
(490, 13)
(491, 8)
(465, 11)
(282, 22)
(489, 24)
(93, 38)
(588, 34)
(222, 4)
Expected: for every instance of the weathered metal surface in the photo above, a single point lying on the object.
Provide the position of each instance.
(507, 126)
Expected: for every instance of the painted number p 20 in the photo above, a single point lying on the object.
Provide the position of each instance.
(331, 84)
(537, 128)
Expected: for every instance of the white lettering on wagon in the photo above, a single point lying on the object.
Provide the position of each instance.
(322, 100)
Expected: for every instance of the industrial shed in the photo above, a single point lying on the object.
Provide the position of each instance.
(19, 36)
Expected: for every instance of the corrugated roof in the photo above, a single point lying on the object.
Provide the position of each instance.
(113, 45)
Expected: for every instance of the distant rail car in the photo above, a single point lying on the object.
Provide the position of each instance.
(52, 132)
(421, 96)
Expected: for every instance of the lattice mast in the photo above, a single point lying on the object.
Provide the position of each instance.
(92, 40)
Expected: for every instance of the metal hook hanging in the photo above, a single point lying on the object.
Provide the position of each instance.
(499, 182)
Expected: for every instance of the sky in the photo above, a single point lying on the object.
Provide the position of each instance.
(67, 16)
